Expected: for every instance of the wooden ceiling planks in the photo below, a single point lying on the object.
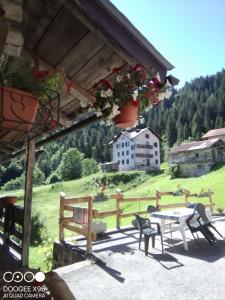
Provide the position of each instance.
(84, 51)
(61, 36)
(38, 15)
(98, 67)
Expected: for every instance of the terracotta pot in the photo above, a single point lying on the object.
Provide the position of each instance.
(127, 117)
(9, 200)
(18, 109)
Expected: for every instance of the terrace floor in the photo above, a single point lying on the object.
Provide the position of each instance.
(123, 272)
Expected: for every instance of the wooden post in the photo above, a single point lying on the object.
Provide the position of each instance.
(61, 216)
(118, 198)
(158, 198)
(30, 161)
(210, 199)
(89, 233)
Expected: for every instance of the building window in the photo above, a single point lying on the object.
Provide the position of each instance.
(148, 162)
(132, 147)
(156, 162)
(122, 162)
(132, 156)
(128, 161)
(127, 152)
(155, 144)
(128, 143)
(156, 152)
(122, 153)
(122, 145)
(117, 146)
(147, 136)
(118, 154)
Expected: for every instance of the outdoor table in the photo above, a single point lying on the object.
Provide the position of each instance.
(179, 215)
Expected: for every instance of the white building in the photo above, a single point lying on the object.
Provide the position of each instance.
(137, 150)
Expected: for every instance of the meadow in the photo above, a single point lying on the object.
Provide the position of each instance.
(46, 197)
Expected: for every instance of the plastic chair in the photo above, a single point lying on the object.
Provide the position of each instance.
(145, 228)
(203, 218)
(151, 209)
(196, 224)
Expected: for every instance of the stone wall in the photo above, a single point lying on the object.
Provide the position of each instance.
(65, 254)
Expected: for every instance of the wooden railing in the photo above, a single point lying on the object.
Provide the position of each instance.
(70, 223)
(11, 227)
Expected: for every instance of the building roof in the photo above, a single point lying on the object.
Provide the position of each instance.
(133, 134)
(194, 146)
(214, 132)
(95, 38)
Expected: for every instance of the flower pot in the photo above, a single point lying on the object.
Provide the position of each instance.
(18, 109)
(98, 227)
(8, 200)
(127, 117)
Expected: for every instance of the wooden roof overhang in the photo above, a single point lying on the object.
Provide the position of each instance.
(87, 38)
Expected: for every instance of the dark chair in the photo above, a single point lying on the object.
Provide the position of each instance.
(145, 228)
(203, 219)
(196, 224)
(151, 209)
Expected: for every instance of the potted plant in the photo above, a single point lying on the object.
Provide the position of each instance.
(131, 91)
(9, 199)
(25, 92)
(98, 226)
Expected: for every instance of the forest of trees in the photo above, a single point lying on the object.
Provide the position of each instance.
(190, 112)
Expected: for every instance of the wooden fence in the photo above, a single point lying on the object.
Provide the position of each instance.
(11, 227)
(84, 226)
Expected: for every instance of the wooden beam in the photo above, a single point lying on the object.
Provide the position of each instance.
(89, 229)
(30, 161)
(61, 217)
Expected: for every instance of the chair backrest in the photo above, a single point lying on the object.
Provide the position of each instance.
(152, 209)
(200, 208)
(191, 205)
(141, 222)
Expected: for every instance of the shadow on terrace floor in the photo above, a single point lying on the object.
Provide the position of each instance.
(208, 252)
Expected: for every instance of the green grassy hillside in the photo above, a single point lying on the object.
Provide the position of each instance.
(46, 198)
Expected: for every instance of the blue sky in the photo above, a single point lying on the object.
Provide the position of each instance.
(189, 33)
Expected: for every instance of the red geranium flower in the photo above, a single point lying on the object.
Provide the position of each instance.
(69, 86)
(41, 74)
(135, 103)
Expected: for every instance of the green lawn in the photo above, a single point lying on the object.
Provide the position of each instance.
(46, 198)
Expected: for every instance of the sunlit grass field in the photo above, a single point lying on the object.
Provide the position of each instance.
(46, 198)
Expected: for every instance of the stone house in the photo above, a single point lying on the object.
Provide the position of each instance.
(197, 158)
(215, 134)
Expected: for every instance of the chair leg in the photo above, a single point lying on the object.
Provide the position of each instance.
(146, 244)
(153, 242)
(162, 242)
(196, 240)
(216, 230)
(140, 237)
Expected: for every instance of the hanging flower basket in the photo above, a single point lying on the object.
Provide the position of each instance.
(9, 200)
(18, 109)
(127, 117)
(131, 90)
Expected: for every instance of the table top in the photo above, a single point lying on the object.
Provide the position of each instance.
(173, 214)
